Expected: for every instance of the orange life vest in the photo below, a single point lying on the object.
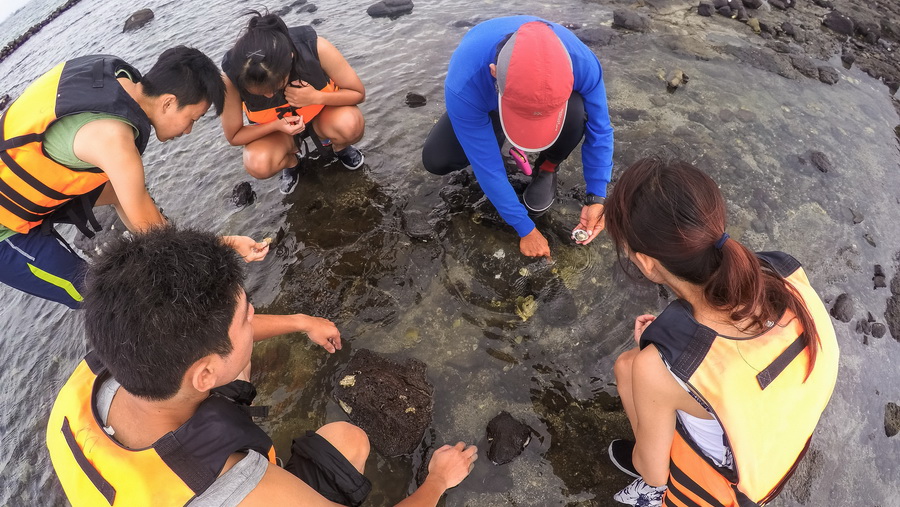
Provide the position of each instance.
(32, 185)
(95, 470)
(756, 390)
(260, 109)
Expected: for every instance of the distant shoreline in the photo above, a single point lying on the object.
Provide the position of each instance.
(18, 41)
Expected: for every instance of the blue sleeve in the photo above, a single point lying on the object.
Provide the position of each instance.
(476, 135)
(597, 149)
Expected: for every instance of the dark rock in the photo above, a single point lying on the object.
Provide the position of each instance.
(705, 9)
(283, 11)
(507, 438)
(878, 329)
(720, 3)
(788, 29)
(838, 22)
(856, 216)
(828, 75)
(778, 4)
(657, 101)
(821, 162)
(317, 21)
(416, 225)
(137, 20)
(765, 27)
(571, 25)
(895, 284)
(800, 35)
(726, 115)
(891, 419)
(863, 326)
(824, 3)
(752, 4)
(725, 10)
(308, 8)
(878, 271)
(848, 59)
(596, 36)
(805, 65)
(869, 31)
(4, 101)
(242, 194)
(555, 302)
(391, 401)
(739, 12)
(745, 115)
(630, 20)
(892, 314)
(843, 308)
(631, 114)
(390, 8)
(298, 3)
(415, 100)
(780, 47)
(869, 239)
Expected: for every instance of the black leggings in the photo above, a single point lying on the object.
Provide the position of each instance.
(443, 154)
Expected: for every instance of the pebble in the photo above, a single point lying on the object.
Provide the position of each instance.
(843, 308)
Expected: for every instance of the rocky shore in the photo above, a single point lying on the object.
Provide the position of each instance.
(18, 41)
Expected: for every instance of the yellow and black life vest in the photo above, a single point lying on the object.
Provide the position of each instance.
(32, 185)
(260, 109)
(95, 470)
(755, 388)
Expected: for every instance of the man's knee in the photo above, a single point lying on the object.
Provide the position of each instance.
(259, 164)
(349, 440)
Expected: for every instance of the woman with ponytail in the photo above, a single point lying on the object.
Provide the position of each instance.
(290, 83)
(724, 388)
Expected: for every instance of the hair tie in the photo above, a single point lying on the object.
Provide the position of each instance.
(259, 54)
(722, 240)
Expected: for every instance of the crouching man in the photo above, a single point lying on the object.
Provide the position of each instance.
(156, 414)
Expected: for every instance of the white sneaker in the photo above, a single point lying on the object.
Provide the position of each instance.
(640, 494)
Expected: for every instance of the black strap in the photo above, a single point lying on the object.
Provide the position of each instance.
(691, 486)
(765, 377)
(696, 350)
(683, 498)
(258, 411)
(97, 73)
(172, 452)
(16, 142)
(30, 179)
(102, 485)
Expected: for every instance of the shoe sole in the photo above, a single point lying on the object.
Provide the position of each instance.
(534, 210)
(617, 465)
(362, 160)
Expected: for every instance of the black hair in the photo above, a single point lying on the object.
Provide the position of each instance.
(187, 74)
(264, 55)
(157, 302)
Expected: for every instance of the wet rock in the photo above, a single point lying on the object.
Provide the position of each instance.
(753, 23)
(828, 75)
(878, 329)
(571, 25)
(507, 438)
(390, 8)
(308, 8)
(596, 36)
(630, 20)
(805, 65)
(726, 115)
(725, 10)
(869, 239)
(317, 21)
(891, 419)
(416, 226)
(778, 4)
(674, 79)
(892, 315)
(298, 3)
(848, 59)
(781, 47)
(856, 216)
(391, 401)
(879, 277)
(821, 162)
(137, 20)
(824, 3)
(752, 4)
(843, 308)
(705, 9)
(555, 302)
(788, 29)
(863, 326)
(631, 114)
(869, 31)
(839, 22)
(283, 11)
(657, 101)
(415, 99)
(4, 101)
(746, 115)
(243, 195)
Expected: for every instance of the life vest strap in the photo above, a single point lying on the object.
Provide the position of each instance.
(690, 485)
(15, 142)
(102, 485)
(13, 202)
(765, 377)
(31, 180)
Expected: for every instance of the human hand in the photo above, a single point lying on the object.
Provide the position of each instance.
(322, 332)
(592, 220)
(640, 324)
(534, 244)
(247, 247)
(291, 125)
(449, 465)
(299, 94)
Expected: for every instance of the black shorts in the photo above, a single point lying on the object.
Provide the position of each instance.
(315, 461)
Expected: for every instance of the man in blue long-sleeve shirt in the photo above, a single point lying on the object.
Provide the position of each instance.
(534, 83)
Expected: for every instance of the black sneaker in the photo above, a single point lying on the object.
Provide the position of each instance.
(287, 182)
(352, 158)
(541, 192)
(620, 452)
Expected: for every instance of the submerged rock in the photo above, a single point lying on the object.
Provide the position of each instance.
(596, 36)
(891, 419)
(391, 401)
(878, 277)
(805, 65)
(630, 20)
(390, 8)
(828, 75)
(415, 99)
(507, 438)
(137, 20)
(242, 194)
(843, 308)
(821, 161)
(4, 101)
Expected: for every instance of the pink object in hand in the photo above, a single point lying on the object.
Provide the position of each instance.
(521, 160)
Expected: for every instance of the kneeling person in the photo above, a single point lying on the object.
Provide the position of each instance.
(156, 413)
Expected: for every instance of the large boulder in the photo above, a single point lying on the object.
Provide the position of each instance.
(390, 8)
(630, 20)
(391, 401)
(839, 22)
(137, 20)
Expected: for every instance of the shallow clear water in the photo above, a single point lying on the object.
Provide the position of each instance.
(451, 301)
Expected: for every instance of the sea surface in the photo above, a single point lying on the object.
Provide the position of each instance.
(458, 299)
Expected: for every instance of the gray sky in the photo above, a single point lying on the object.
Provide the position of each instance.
(8, 7)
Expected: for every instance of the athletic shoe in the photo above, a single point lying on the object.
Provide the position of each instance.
(287, 182)
(640, 494)
(352, 158)
(541, 192)
(620, 452)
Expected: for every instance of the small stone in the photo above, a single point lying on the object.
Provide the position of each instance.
(726, 115)
(415, 100)
(843, 308)
(838, 22)
(778, 4)
(657, 101)
(317, 21)
(857, 216)
(705, 9)
(805, 65)
(630, 20)
(878, 330)
(788, 29)
(828, 75)
(879, 271)
(596, 36)
(507, 438)
(725, 10)
(870, 240)
(754, 24)
(4, 101)
(863, 326)
(891, 419)
(824, 3)
(821, 162)
(242, 194)
(752, 4)
(746, 115)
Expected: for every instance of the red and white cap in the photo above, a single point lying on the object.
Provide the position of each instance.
(534, 78)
